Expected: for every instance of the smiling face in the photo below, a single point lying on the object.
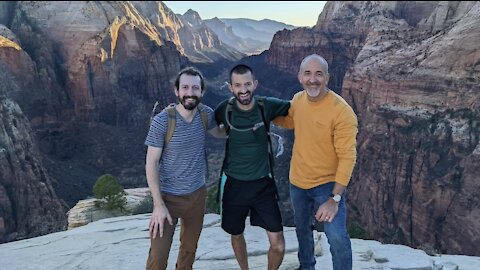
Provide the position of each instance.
(313, 75)
(189, 91)
(242, 86)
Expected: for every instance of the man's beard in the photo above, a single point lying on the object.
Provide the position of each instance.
(316, 91)
(188, 105)
(244, 101)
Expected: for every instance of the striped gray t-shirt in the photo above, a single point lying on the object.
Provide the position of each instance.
(182, 165)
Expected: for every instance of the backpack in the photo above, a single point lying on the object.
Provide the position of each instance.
(261, 106)
(171, 120)
(228, 116)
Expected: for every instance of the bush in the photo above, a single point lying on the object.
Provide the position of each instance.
(109, 193)
(356, 231)
(145, 206)
(431, 251)
(212, 205)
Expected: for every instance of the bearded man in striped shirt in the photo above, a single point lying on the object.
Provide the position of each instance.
(176, 172)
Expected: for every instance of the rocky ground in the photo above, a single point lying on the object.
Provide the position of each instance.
(122, 243)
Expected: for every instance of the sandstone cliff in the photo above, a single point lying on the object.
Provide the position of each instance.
(418, 96)
(86, 75)
(80, 67)
(28, 204)
(205, 41)
(411, 73)
(226, 34)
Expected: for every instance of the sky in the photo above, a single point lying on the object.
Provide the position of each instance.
(296, 13)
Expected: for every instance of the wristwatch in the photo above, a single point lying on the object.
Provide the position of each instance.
(336, 197)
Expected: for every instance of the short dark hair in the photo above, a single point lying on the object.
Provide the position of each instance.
(241, 69)
(192, 72)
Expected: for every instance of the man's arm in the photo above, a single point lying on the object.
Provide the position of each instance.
(345, 132)
(215, 125)
(345, 143)
(285, 121)
(328, 210)
(218, 132)
(284, 117)
(160, 211)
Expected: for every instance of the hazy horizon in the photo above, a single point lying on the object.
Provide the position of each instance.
(305, 13)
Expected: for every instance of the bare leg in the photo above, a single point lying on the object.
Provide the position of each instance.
(240, 249)
(276, 251)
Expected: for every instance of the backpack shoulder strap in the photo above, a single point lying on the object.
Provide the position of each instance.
(230, 104)
(261, 107)
(228, 114)
(203, 115)
(266, 123)
(260, 101)
(171, 114)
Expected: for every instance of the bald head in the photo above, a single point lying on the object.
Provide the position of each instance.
(314, 57)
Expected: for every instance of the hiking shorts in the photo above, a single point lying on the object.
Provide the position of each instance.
(257, 197)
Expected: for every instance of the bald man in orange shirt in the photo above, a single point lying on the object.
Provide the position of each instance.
(323, 158)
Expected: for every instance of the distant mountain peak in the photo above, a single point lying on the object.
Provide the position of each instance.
(262, 30)
(192, 12)
(192, 17)
(216, 19)
(270, 20)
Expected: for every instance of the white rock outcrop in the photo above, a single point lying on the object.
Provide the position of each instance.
(123, 243)
(85, 211)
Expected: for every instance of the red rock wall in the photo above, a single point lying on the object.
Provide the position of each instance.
(412, 78)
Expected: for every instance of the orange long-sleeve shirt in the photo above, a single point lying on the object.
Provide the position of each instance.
(325, 140)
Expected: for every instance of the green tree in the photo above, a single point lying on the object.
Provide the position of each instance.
(109, 193)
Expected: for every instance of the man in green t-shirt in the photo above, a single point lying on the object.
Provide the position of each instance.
(250, 186)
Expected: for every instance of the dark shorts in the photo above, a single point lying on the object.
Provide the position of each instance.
(257, 197)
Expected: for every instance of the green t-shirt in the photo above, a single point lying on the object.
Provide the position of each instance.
(248, 150)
